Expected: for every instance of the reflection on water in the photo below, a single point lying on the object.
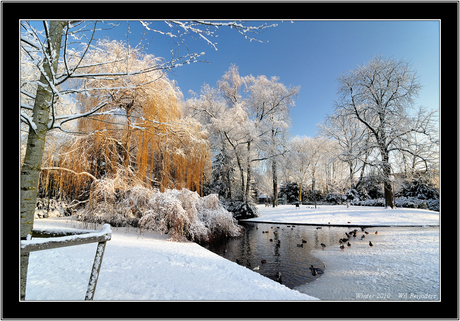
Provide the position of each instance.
(283, 248)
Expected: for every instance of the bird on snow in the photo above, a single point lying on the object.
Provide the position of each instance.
(370, 243)
(323, 246)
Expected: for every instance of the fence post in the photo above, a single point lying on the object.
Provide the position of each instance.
(95, 271)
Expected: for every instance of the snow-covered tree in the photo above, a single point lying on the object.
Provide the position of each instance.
(58, 49)
(247, 117)
(269, 103)
(380, 96)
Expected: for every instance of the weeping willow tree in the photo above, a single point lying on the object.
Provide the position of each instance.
(147, 133)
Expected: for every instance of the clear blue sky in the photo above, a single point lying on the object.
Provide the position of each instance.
(309, 54)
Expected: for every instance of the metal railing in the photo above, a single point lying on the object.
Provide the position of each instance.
(43, 239)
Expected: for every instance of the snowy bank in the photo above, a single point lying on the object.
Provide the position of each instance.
(403, 264)
(341, 215)
(145, 267)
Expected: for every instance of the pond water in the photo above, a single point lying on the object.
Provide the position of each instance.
(285, 248)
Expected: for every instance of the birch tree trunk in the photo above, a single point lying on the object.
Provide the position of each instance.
(31, 166)
(248, 174)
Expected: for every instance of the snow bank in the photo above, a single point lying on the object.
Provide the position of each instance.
(145, 267)
(341, 215)
(403, 265)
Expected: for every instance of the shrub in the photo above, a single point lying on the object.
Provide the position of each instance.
(182, 214)
(240, 209)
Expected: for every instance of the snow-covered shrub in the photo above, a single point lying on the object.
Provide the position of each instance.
(45, 207)
(418, 188)
(182, 214)
(406, 202)
(240, 209)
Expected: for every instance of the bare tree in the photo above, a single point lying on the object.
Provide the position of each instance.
(380, 95)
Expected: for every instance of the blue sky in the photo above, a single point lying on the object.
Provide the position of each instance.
(309, 54)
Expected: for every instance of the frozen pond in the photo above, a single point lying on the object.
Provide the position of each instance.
(402, 264)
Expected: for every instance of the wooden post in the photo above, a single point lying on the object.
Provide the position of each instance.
(95, 271)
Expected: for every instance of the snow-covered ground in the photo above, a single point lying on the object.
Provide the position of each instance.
(402, 264)
(341, 215)
(146, 267)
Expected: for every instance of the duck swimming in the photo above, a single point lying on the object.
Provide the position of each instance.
(323, 246)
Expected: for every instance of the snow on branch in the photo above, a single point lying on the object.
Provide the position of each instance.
(28, 120)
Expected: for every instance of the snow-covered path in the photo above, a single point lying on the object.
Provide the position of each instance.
(145, 268)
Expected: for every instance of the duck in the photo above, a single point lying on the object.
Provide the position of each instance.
(319, 228)
(313, 270)
(257, 268)
(366, 232)
(348, 235)
(370, 243)
(376, 232)
(323, 246)
(303, 241)
(271, 240)
(300, 245)
(342, 247)
(278, 277)
(263, 261)
(348, 244)
(362, 237)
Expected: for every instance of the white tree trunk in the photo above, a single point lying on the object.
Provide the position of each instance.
(31, 167)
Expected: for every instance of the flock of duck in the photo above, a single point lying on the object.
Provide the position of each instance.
(314, 271)
(352, 234)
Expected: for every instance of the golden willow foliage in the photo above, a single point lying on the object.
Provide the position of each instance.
(147, 134)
